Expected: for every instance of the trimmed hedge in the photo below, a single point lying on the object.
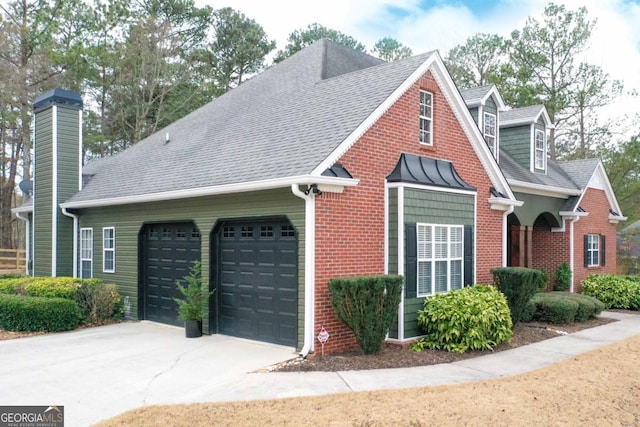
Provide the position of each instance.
(472, 318)
(367, 305)
(98, 301)
(613, 290)
(22, 313)
(561, 307)
(519, 285)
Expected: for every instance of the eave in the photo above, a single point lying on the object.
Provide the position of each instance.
(331, 184)
(543, 190)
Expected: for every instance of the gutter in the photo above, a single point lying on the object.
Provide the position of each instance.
(27, 238)
(309, 266)
(75, 239)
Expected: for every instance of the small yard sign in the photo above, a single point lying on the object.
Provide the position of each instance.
(323, 336)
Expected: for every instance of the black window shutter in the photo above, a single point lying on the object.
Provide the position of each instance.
(603, 250)
(411, 260)
(468, 255)
(586, 250)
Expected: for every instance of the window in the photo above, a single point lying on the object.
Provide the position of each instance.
(426, 118)
(592, 250)
(489, 131)
(540, 151)
(86, 253)
(109, 250)
(440, 258)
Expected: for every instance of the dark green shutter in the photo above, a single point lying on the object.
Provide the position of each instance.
(411, 260)
(586, 250)
(468, 255)
(603, 250)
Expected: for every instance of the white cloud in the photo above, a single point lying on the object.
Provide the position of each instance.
(615, 42)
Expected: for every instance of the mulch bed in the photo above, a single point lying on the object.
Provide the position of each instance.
(397, 356)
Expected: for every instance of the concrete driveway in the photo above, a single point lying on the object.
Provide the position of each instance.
(99, 372)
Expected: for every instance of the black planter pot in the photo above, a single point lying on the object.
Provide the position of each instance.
(193, 328)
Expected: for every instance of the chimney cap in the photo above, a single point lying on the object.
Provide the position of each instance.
(61, 97)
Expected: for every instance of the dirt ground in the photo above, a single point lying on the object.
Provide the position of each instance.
(601, 387)
(395, 356)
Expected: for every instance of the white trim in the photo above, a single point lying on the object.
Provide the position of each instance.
(79, 150)
(543, 150)
(543, 190)
(54, 190)
(401, 241)
(75, 240)
(22, 209)
(568, 215)
(434, 260)
(486, 114)
(350, 140)
(426, 118)
(502, 204)
(82, 259)
(431, 188)
(309, 268)
(493, 91)
(105, 249)
(587, 249)
(215, 190)
(27, 240)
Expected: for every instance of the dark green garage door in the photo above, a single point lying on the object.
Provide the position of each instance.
(258, 281)
(169, 251)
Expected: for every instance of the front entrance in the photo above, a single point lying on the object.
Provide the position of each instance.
(256, 274)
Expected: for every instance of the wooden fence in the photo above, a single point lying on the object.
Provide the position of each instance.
(13, 259)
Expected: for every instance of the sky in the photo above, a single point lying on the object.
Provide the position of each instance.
(426, 25)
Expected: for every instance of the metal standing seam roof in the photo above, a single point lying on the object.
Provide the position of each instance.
(427, 171)
(280, 123)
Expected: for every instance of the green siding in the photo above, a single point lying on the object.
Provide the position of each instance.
(43, 193)
(392, 243)
(68, 171)
(540, 126)
(433, 207)
(204, 211)
(474, 113)
(490, 106)
(535, 205)
(516, 141)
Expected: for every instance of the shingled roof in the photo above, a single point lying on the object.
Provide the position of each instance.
(281, 123)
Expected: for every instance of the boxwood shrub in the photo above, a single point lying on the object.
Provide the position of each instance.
(518, 284)
(473, 318)
(367, 305)
(613, 290)
(98, 301)
(562, 307)
(23, 313)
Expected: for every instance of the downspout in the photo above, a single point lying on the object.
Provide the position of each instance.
(571, 248)
(75, 239)
(504, 233)
(28, 240)
(309, 266)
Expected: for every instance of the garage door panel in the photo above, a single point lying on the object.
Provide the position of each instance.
(170, 250)
(257, 261)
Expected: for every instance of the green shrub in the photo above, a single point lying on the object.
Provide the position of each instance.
(518, 284)
(22, 313)
(529, 311)
(98, 301)
(614, 291)
(543, 284)
(563, 277)
(367, 305)
(53, 287)
(473, 318)
(562, 307)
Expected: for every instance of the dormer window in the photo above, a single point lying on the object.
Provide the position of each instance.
(489, 130)
(426, 118)
(540, 149)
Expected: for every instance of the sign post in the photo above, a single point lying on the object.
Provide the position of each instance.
(323, 336)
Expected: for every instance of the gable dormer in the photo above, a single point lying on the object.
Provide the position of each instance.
(523, 135)
(485, 105)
